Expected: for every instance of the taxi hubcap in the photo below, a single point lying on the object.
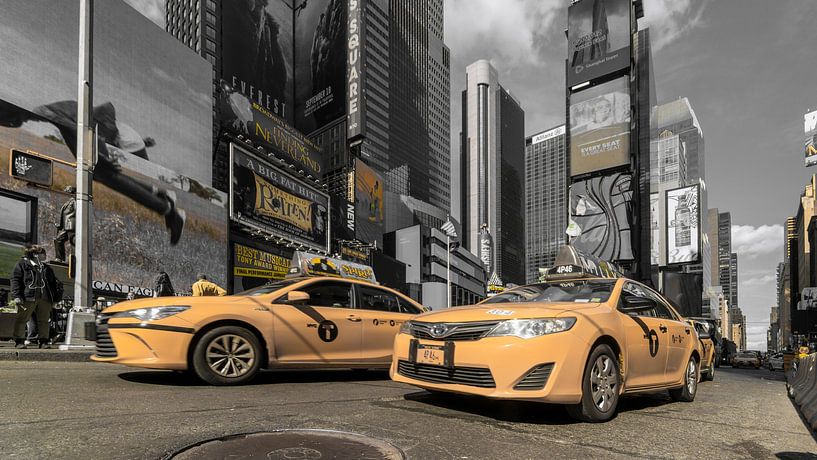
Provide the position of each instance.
(603, 383)
(692, 380)
(230, 355)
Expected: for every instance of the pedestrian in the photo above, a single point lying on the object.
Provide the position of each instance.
(162, 287)
(204, 287)
(35, 289)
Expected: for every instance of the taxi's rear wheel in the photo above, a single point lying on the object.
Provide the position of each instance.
(709, 375)
(600, 387)
(227, 355)
(687, 392)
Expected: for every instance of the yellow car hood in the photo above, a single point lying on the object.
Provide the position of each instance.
(503, 311)
(179, 300)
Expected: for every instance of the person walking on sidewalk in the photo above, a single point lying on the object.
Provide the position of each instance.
(162, 287)
(34, 288)
(204, 287)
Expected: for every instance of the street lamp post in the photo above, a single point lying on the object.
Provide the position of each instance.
(450, 232)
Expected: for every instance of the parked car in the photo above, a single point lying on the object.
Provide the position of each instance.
(775, 362)
(746, 359)
(707, 345)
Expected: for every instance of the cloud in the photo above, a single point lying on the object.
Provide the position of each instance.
(508, 31)
(670, 20)
(751, 242)
(152, 9)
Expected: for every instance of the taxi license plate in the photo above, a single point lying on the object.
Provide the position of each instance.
(431, 354)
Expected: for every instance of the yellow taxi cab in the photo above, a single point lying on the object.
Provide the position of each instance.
(704, 330)
(302, 321)
(581, 338)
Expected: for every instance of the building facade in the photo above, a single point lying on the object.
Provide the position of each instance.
(492, 179)
(546, 199)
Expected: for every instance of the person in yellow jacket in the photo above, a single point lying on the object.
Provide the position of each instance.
(204, 287)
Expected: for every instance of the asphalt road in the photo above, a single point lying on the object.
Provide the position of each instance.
(89, 410)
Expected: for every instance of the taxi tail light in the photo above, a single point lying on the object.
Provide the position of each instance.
(536, 379)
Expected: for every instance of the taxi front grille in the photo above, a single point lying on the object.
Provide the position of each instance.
(104, 344)
(536, 379)
(454, 331)
(472, 376)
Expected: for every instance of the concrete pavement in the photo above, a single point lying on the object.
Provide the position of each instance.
(90, 410)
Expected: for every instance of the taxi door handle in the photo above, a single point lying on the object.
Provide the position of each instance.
(662, 328)
(686, 329)
(353, 319)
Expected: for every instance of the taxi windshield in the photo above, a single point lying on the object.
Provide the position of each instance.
(569, 291)
(269, 288)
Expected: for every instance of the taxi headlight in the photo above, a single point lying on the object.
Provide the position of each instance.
(530, 328)
(153, 313)
(407, 328)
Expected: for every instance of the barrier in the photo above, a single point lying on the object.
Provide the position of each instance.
(803, 388)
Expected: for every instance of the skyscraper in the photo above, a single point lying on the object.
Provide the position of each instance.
(733, 275)
(493, 155)
(545, 199)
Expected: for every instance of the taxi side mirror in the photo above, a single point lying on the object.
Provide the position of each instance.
(634, 304)
(296, 297)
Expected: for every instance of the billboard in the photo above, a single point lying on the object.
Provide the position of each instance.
(240, 116)
(368, 204)
(265, 197)
(153, 95)
(257, 53)
(320, 63)
(655, 234)
(600, 127)
(308, 264)
(600, 213)
(356, 119)
(598, 39)
(811, 138)
(255, 263)
(146, 218)
(683, 225)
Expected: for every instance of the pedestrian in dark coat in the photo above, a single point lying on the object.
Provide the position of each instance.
(35, 289)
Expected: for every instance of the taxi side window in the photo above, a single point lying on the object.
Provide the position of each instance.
(634, 293)
(408, 307)
(375, 299)
(329, 294)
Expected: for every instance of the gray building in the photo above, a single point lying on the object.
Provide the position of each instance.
(546, 199)
(733, 275)
(423, 250)
(492, 177)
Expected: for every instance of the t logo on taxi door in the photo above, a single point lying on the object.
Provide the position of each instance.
(327, 331)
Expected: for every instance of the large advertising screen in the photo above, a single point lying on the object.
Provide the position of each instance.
(257, 52)
(600, 127)
(600, 213)
(265, 197)
(146, 218)
(368, 204)
(685, 291)
(152, 94)
(240, 116)
(320, 63)
(598, 36)
(683, 225)
(811, 138)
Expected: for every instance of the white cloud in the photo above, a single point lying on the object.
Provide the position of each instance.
(152, 9)
(750, 241)
(670, 20)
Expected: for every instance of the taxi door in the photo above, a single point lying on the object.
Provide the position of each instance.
(680, 340)
(646, 339)
(326, 329)
(382, 312)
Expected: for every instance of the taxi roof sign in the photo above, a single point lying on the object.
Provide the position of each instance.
(572, 263)
(310, 264)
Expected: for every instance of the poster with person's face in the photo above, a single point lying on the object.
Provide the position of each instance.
(598, 35)
(256, 50)
(368, 204)
(320, 63)
(600, 127)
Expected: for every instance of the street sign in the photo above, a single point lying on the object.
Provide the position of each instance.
(31, 167)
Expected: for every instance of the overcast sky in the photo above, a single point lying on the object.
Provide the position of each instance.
(747, 67)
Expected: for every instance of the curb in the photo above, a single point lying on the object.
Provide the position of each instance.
(46, 355)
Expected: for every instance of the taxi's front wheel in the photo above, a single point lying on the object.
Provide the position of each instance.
(600, 387)
(227, 355)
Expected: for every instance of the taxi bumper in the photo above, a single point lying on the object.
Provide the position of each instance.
(547, 368)
(144, 344)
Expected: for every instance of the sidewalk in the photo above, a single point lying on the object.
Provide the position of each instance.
(32, 353)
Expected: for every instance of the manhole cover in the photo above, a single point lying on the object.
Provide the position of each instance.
(293, 445)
